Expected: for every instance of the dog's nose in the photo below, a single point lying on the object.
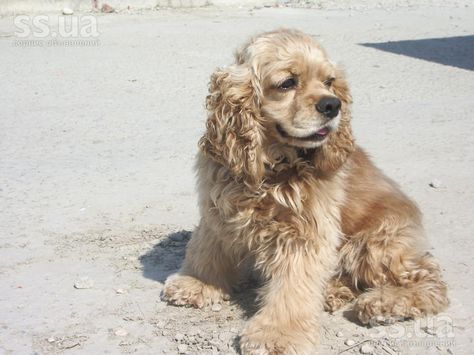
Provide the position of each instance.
(329, 106)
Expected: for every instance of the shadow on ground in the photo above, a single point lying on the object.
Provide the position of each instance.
(453, 51)
(166, 257)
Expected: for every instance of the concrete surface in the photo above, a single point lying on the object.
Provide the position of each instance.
(96, 156)
(9, 7)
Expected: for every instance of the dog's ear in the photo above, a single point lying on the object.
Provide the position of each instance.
(233, 135)
(332, 155)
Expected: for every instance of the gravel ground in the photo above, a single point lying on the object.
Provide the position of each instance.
(97, 192)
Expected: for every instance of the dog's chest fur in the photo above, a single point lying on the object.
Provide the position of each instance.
(293, 205)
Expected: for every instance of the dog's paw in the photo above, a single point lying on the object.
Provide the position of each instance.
(256, 340)
(377, 307)
(183, 290)
(337, 298)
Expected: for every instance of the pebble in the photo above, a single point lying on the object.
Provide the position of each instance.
(182, 348)
(349, 342)
(119, 291)
(51, 340)
(366, 349)
(339, 334)
(107, 9)
(69, 344)
(216, 307)
(160, 324)
(380, 319)
(435, 183)
(68, 11)
(120, 332)
(84, 283)
(179, 337)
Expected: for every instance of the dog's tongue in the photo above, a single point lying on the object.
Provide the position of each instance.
(323, 131)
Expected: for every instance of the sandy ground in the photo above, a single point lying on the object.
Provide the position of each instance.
(97, 187)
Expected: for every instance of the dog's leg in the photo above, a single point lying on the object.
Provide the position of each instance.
(403, 281)
(296, 274)
(415, 292)
(339, 292)
(207, 274)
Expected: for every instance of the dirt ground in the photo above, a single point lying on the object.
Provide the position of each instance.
(97, 194)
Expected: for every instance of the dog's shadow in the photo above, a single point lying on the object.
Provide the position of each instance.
(166, 257)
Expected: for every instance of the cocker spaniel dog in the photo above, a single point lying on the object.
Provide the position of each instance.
(282, 183)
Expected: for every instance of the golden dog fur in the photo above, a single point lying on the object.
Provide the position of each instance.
(321, 223)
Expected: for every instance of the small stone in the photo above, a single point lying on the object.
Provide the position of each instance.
(435, 183)
(349, 342)
(106, 8)
(84, 283)
(366, 349)
(179, 337)
(51, 340)
(120, 291)
(216, 307)
(69, 344)
(339, 334)
(182, 348)
(68, 11)
(120, 332)
(160, 324)
(380, 319)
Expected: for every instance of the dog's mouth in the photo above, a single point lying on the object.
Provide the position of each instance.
(318, 136)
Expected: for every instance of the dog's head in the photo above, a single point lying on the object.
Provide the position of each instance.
(283, 92)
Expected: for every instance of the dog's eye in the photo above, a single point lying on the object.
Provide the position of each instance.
(328, 82)
(287, 84)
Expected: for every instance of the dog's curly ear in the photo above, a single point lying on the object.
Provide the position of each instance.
(332, 155)
(233, 135)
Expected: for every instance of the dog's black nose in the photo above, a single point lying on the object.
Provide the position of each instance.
(329, 106)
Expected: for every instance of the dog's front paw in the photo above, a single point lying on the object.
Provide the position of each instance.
(378, 307)
(258, 340)
(183, 290)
